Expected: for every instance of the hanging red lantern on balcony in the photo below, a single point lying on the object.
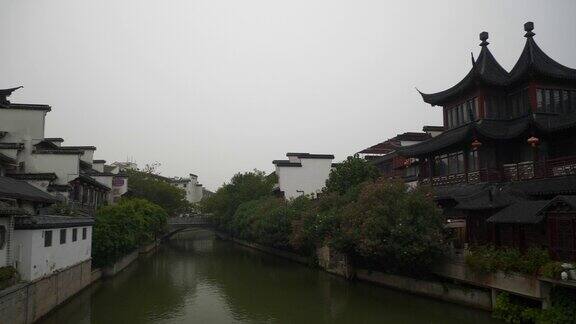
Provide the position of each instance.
(407, 162)
(533, 141)
(476, 144)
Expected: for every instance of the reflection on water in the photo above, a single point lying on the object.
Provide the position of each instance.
(196, 278)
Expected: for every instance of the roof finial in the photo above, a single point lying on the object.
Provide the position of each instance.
(529, 27)
(484, 38)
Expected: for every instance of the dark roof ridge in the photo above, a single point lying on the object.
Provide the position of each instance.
(534, 60)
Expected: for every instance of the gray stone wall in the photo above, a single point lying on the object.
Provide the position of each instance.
(27, 302)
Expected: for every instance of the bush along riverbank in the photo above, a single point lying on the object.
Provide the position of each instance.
(123, 228)
(381, 228)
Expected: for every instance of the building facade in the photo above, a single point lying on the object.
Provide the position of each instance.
(509, 144)
(302, 174)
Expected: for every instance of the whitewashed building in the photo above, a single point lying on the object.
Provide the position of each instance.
(68, 172)
(194, 190)
(302, 174)
(44, 244)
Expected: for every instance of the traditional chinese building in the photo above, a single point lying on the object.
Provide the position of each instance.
(384, 156)
(508, 149)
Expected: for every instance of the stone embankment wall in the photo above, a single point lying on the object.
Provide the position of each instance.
(27, 302)
(285, 254)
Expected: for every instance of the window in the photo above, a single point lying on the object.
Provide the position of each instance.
(539, 100)
(566, 101)
(2, 237)
(84, 233)
(473, 161)
(74, 235)
(47, 238)
(449, 164)
(63, 236)
(460, 114)
(555, 100)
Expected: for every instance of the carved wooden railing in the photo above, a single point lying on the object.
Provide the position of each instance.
(551, 168)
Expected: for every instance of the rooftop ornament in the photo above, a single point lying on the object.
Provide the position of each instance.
(528, 28)
(484, 38)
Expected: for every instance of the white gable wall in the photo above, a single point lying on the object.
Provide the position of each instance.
(34, 260)
(308, 179)
(66, 166)
(22, 125)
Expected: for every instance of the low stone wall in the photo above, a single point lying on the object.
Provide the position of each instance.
(95, 275)
(120, 264)
(27, 302)
(516, 284)
(149, 247)
(477, 298)
(281, 253)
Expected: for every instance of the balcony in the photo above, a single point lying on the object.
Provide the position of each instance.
(528, 170)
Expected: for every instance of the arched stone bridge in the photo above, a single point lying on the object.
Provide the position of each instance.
(177, 224)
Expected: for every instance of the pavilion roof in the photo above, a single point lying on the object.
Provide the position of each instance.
(533, 60)
(485, 70)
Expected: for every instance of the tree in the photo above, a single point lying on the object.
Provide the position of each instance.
(391, 227)
(158, 190)
(243, 187)
(350, 173)
(120, 229)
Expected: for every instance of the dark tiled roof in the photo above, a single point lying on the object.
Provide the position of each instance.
(413, 136)
(286, 163)
(440, 142)
(33, 176)
(522, 212)
(534, 60)
(89, 180)
(13, 146)
(54, 139)
(491, 197)
(7, 210)
(6, 159)
(17, 189)
(98, 161)
(27, 107)
(546, 187)
(83, 148)
(311, 155)
(492, 129)
(47, 221)
(485, 70)
(58, 151)
(382, 148)
(429, 128)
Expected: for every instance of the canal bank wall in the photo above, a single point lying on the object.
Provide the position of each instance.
(27, 302)
(456, 284)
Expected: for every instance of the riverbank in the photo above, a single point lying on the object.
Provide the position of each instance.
(27, 302)
(456, 284)
(197, 278)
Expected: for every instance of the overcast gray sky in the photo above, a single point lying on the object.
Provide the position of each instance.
(214, 87)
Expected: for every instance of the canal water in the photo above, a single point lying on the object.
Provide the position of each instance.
(196, 278)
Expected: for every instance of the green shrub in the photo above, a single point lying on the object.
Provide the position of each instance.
(391, 228)
(489, 259)
(515, 310)
(120, 229)
(6, 274)
(552, 270)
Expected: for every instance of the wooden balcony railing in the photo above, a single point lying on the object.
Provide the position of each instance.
(510, 172)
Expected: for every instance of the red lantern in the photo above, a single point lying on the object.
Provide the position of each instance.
(533, 141)
(476, 144)
(407, 162)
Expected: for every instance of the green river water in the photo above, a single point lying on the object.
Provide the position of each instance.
(196, 278)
